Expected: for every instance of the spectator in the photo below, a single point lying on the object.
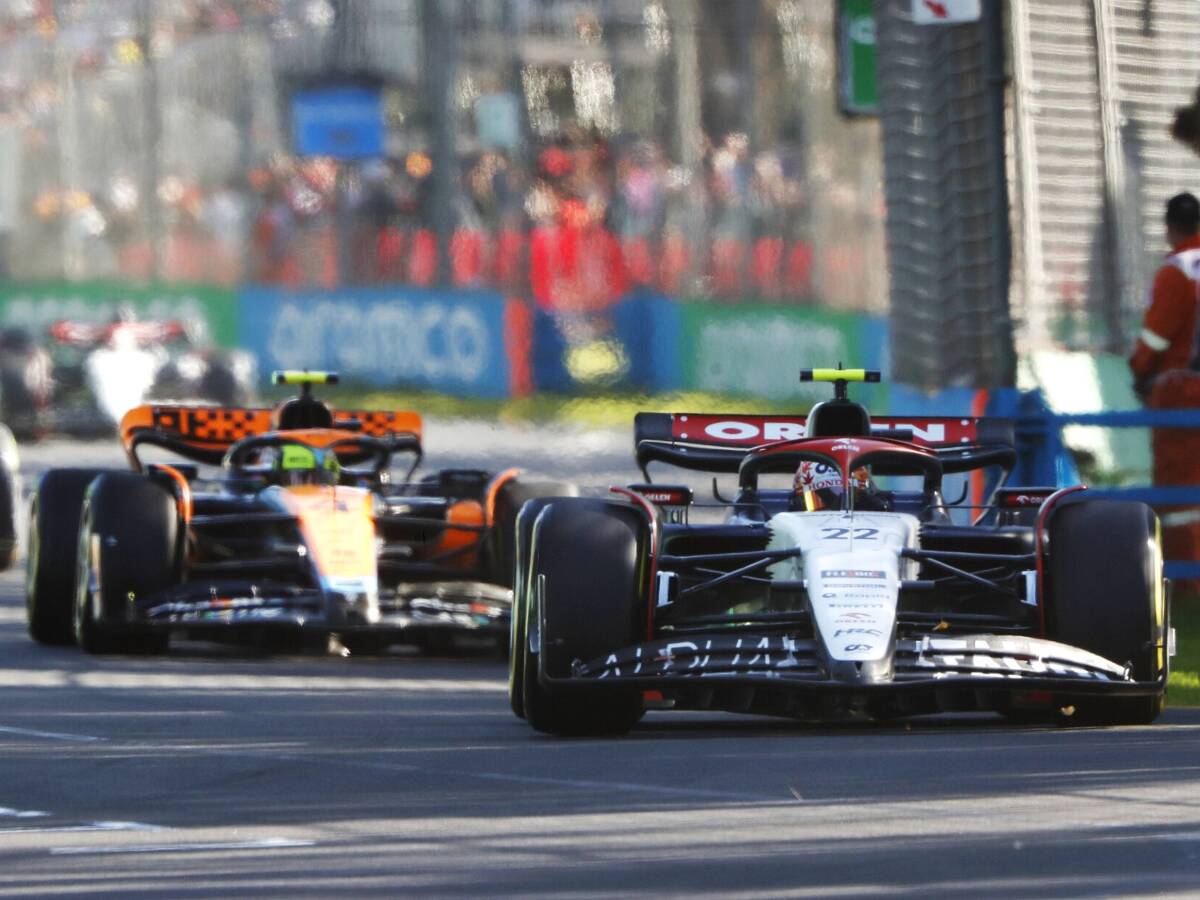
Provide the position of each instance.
(272, 235)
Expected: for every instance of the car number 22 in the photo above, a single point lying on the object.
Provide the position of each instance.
(859, 534)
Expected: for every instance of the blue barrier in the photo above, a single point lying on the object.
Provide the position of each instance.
(451, 341)
(649, 326)
(1044, 456)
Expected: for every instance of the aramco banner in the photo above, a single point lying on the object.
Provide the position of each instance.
(451, 341)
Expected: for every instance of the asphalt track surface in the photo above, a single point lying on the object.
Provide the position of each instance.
(213, 772)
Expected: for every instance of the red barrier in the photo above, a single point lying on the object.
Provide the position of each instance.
(542, 247)
(639, 261)
(518, 345)
(508, 260)
(727, 263)
(673, 264)
(798, 280)
(766, 267)
(389, 254)
(573, 264)
(467, 251)
(423, 258)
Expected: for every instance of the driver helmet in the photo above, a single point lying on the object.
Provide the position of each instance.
(300, 464)
(818, 486)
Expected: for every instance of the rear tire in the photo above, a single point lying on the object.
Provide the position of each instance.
(127, 541)
(50, 562)
(1115, 605)
(510, 499)
(587, 598)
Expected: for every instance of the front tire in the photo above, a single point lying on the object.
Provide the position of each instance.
(1107, 596)
(586, 597)
(518, 646)
(50, 562)
(127, 541)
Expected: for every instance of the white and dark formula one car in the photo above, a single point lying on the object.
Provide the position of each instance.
(852, 591)
(281, 525)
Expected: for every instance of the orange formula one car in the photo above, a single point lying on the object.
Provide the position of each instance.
(307, 527)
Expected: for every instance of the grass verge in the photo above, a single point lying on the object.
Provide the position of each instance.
(1184, 686)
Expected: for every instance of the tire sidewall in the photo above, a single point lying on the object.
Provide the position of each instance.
(584, 595)
(51, 561)
(518, 647)
(1105, 594)
(128, 539)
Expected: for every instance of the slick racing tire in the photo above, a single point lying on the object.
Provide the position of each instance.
(127, 541)
(518, 644)
(511, 497)
(586, 598)
(50, 559)
(1106, 595)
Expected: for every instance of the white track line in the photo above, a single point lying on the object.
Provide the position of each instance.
(697, 793)
(485, 775)
(265, 844)
(21, 813)
(631, 787)
(585, 784)
(91, 826)
(49, 735)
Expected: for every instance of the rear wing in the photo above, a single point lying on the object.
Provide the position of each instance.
(707, 442)
(86, 334)
(204, 433)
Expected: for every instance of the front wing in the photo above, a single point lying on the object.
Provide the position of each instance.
(450, 606)
(780, 674)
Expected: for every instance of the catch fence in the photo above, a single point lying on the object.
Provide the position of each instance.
(570, 150)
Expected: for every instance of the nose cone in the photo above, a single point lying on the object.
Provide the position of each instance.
(337, 525)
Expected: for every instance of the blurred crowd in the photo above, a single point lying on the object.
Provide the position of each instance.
(581, 223)
(573, 217)
(585, 222)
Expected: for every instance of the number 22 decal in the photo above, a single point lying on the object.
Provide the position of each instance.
(860, 534)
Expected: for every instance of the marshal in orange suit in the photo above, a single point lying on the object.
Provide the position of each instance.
(1166, 369)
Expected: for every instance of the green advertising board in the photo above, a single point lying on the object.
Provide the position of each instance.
(858, 89)
(36, 306)
(758, 350)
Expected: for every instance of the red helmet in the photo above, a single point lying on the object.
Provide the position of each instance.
(819, 485)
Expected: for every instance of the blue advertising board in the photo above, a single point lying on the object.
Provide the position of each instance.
(648, 324)
(343, 122)
(451, 341)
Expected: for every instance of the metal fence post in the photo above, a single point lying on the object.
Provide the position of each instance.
(440, 49)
